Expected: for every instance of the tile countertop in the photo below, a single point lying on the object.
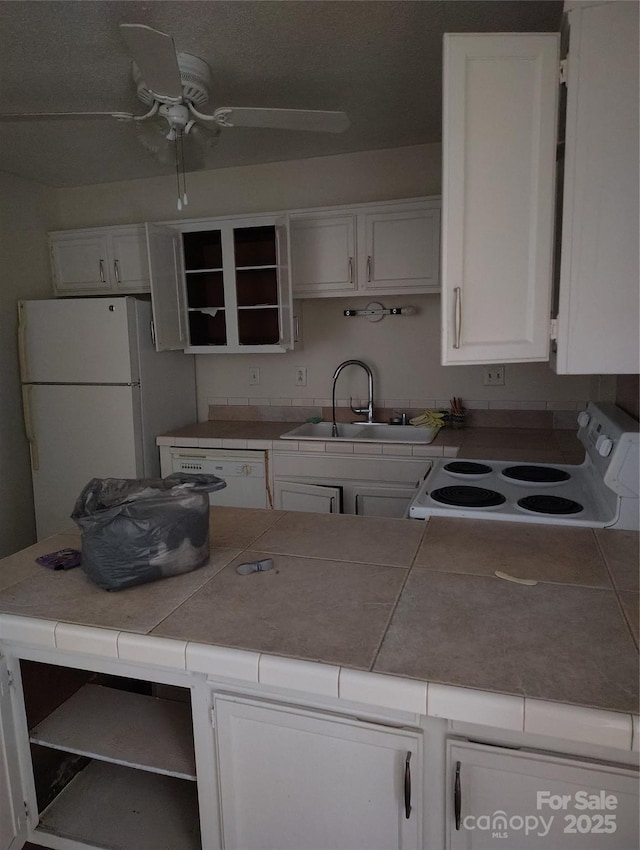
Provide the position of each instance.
(389, 596)
(536, 445)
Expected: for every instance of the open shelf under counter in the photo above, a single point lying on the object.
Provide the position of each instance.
(107, 805)
(124, 728)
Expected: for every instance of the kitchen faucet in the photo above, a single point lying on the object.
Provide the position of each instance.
(359, 411)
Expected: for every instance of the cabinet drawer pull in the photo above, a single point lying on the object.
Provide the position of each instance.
(102, 277)
(116, 270)
(407, 787)
(458, 316)
(457, 796)
(350, 269)
(369, 269)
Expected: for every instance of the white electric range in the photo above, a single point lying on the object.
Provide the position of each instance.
(600, 492)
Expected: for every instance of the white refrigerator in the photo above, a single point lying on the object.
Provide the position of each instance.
(96, 394)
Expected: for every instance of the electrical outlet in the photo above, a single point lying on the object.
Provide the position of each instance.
(301, 376)
(494, 376)
(254, 375)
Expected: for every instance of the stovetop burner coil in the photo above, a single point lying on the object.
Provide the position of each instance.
(544, 504)
(467, 467)
(536, 474)
(467, 497)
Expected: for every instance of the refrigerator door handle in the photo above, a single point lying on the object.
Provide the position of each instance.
(22, 347)
(28, 428)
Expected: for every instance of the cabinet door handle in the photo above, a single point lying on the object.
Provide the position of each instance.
(458, 316)
(350, 264)
(116, 270)
(356, 504)
(332, 502)
(457, 796)
(369, 269)
(407, 787)
(102, 277)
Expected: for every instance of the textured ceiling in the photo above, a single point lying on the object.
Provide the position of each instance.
(380, 62)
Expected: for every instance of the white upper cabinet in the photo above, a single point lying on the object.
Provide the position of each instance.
(598, 289)
(499, 144)
(323, 254)
(167, 276)
(225, 289)
(381, 249)
(99, 261)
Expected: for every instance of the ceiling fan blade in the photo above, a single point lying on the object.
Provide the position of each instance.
(63, 116)
(282, 119)
(155, 55)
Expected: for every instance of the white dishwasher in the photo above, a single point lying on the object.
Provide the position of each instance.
(245, 472)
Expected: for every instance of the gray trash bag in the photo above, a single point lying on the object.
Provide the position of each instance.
(140, 530)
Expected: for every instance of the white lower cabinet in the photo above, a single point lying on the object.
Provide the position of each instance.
(316, 498)
(292, 779)
(499, 798)
(368, 485)
(105, 763)
(12, 814)
(102, 754)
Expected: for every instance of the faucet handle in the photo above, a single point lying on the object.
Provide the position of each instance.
(400, 418)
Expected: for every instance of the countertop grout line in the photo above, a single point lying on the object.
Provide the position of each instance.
(388, 621)
(617, 593)
(497, 578)
(196, 590)
(398, 597)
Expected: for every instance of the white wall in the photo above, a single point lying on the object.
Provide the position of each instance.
(321, 181)
(403, 350)
(25, 212)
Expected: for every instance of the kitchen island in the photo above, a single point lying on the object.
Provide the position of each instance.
(392, 619)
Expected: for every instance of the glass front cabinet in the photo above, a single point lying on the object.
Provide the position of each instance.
(222, 286)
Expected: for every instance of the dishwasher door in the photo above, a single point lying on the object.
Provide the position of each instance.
(245, 473)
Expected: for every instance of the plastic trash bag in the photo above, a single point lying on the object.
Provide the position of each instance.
(140, 530)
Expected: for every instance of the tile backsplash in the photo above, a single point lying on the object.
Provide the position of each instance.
(514, 414)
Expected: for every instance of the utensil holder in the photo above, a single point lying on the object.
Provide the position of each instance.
(458, 420)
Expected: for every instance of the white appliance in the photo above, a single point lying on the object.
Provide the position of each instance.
(244, 471)
(600, 492)
(96, 394)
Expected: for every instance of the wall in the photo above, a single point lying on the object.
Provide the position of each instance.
(369, 176)
(404, 351)
(25, 211)
(404, 354)
(628, 394)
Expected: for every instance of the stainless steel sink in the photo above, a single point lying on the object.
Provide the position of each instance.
(377, 432)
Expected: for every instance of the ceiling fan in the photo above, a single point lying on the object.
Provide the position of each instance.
(175, 86)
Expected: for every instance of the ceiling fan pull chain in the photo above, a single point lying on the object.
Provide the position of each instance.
(185, 200)
(175, 149)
